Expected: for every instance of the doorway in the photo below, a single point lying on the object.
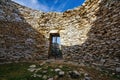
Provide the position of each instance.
(55, 46)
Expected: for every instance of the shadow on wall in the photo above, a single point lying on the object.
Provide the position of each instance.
(19, 41)
(102, 46)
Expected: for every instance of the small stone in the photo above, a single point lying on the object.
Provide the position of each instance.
(102, 61)
(81, 64)
(31, 69)
(57, 70)
(113, 73)
(51, 70)
(48, 61)
(87, 78)
(50, 79)
(44, 72)
(38, 69)
(118, 69)
(74, 74)
(61, 73)
(39, 75)
(42, 63)
(45, 77)
(29, 41)
(86, 74)
(34, 75)
(56, 77)
(60, 66)
(32, 66)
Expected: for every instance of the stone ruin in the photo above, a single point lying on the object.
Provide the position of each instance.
(90, 33)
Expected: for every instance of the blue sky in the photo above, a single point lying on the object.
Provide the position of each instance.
(54, 40)
(51, 5)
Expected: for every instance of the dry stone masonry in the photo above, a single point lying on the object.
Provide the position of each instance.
(90, 34)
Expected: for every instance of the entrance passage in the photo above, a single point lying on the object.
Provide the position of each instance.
(55, 47)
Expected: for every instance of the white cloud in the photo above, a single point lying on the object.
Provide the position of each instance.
(34, 4)
(43, 5)
(61, 7)
(19, 1)
(53, 6)
(34, 1)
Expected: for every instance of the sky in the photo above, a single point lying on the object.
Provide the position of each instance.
(51, 5)
(54, 40)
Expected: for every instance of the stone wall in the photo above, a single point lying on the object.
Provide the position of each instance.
(21, 37)
(89, 33)
(92, 34)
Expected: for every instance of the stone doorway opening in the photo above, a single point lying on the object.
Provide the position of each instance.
(55, 46)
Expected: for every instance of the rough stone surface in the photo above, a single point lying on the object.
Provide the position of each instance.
(74, 74)
(50, 79)
(57, 70)
(61, 73)
(32, 66)
(118, 69)
(89, 33)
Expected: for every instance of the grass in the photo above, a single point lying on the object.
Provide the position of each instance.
(14, 71)
(19, 71)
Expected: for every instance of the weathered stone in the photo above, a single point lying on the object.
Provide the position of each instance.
(32, 66)
(61, 73)
(74, 74)
(44, 72)
(57, 70)
(45, 77)
(86, 75)
(34, 75)
(50, 79)
(118, 69)
(56, 77)
(87, 78)
(37, 69)
(31, 69)
(89, 33)
(39, 75)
